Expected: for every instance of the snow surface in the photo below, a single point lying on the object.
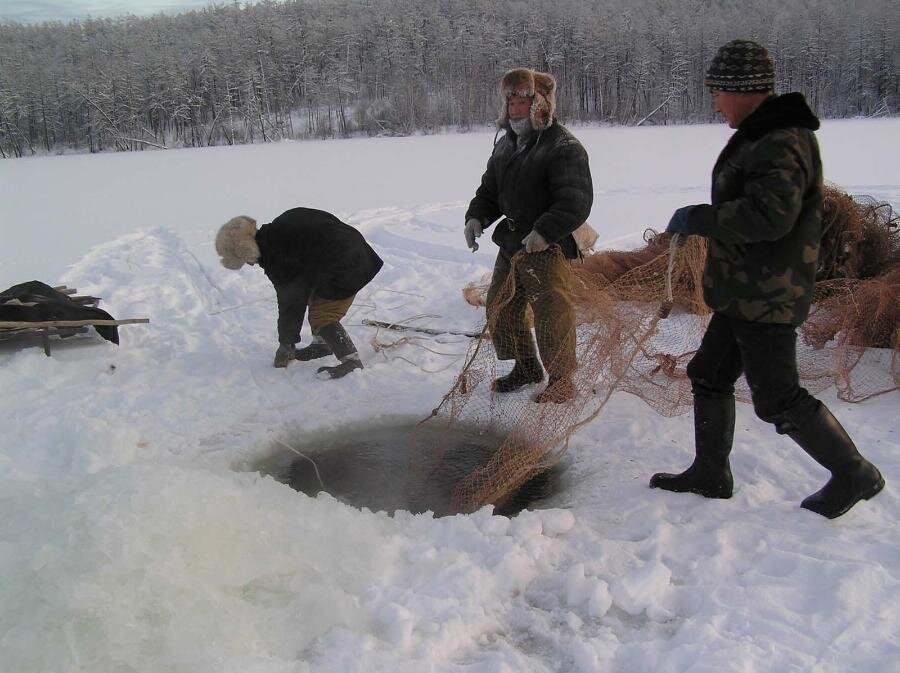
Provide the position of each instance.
(132, 538)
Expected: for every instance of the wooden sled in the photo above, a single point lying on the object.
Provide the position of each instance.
(62, 328)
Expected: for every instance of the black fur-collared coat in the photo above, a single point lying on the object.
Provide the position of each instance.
(544, 186)
(305, 252)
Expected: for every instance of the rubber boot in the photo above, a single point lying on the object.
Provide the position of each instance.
(710, 473)
(853, 478)
(316, 349)
(524, 373)
(340, 343)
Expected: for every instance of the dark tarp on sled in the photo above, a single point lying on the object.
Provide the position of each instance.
(37, 302)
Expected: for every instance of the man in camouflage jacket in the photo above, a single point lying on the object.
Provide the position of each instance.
(539, 179)
(764, 228)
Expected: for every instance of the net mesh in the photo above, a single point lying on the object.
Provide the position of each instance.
(640, 317)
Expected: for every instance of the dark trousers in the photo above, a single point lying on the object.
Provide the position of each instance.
(766, 353)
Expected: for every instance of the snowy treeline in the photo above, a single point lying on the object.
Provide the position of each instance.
(232, 74)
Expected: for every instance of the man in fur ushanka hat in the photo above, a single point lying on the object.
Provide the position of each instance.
(315, 262)
(538, 180)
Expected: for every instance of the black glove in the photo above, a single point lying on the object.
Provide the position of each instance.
(678, 224)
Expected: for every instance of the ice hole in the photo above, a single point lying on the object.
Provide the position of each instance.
(378, 466)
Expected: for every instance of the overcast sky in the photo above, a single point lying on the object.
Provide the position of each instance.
(35, 11)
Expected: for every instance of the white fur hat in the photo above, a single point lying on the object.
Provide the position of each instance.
(236, 242)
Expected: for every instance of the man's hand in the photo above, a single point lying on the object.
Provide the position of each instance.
(678, 224)
(534, 242)
(473, 231)
(284, 354)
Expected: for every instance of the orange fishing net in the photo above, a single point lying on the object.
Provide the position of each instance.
(640, 317)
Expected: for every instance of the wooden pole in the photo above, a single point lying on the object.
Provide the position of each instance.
(423, 330)
(13, 324)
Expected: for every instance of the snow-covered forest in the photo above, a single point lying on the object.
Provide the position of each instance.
(229, 74)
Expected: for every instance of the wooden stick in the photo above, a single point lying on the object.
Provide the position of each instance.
(71, 292)
(411, 328)
(86, 300)
(11, 324)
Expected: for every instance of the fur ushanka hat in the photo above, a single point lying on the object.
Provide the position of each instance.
(539, 87)
(236, 242)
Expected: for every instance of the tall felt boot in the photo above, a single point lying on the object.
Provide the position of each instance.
(284, 354)
(558, 391)
(340, 343)
(710, 473)
(524, 372)
(853, 478)
(316, 349)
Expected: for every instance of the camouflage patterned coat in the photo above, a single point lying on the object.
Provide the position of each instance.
(765, 222)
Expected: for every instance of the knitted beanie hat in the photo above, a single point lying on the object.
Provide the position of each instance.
(742, 66)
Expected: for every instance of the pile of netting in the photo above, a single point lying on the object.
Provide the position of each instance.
(639, 319)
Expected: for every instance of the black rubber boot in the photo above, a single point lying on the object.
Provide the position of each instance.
(317, 349)
(340, 343)
(853, 478)
(524, 373)
(710, 473)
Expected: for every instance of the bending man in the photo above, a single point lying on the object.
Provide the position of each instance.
(314, 261)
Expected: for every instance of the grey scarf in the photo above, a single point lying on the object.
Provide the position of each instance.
(522, 128)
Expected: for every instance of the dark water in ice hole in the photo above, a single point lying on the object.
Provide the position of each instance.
(368, 467)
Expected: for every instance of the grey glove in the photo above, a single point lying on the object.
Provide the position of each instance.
(473, 231)
(284, 354)
(534, 242)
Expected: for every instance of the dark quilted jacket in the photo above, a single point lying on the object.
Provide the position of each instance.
(544, 186)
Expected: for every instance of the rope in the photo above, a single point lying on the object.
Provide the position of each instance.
(315, 467)
(666, 307)
(381, 346)
(674, 244)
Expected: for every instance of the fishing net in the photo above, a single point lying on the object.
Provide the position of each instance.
(639, 318)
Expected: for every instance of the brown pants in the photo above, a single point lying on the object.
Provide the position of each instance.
(326, 311)
(542, 279)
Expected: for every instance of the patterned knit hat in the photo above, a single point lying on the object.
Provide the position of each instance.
(743, 66)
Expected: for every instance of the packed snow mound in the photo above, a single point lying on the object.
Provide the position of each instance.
(133, 539)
